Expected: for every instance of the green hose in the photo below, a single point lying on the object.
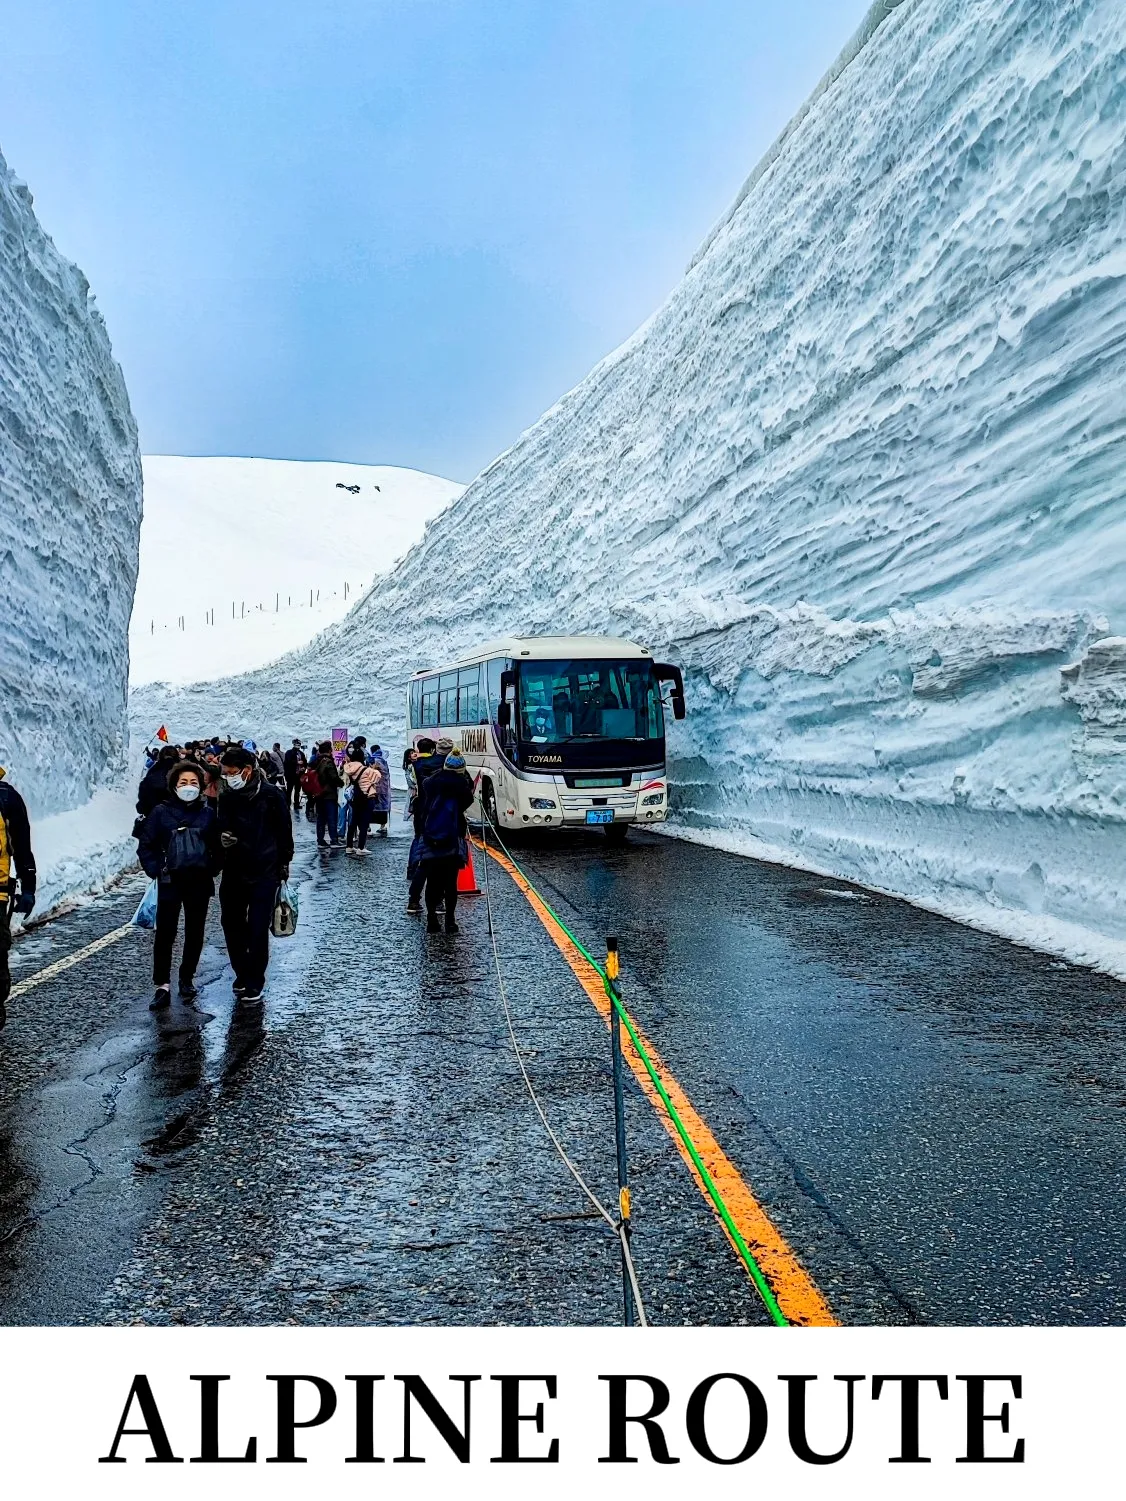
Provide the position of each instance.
(757, 1275)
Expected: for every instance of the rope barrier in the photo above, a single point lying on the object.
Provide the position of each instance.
(617, 1226)
(755, 1272)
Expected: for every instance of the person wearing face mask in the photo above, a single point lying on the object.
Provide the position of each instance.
(178, 846)
(256, 839)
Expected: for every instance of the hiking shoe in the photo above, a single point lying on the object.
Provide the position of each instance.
(238, 989)
(451, 926)
(187, 991)
(415, 907)
(162, 998)
(433, 925)
(250, 996)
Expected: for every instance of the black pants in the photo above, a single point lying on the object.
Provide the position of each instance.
(169, 899)
(441, 885)
(361, 818)
(293, 789)
(247, 906)
(5, 945)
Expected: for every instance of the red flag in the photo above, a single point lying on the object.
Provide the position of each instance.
(162, 734)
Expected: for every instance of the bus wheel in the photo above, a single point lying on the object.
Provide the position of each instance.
(616, 833)
(489, 804)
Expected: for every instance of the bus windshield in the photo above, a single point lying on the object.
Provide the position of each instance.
(587, 699)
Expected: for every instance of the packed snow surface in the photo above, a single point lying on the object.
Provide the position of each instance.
(864, 475)
(244, 559)
(70, 509)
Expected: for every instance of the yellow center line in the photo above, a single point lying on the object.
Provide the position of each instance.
(799, 1297)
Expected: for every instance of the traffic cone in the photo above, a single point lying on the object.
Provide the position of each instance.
(467, 876)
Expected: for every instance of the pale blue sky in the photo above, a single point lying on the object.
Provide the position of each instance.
(387, 230)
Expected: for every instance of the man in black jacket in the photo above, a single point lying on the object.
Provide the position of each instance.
(426, 763)
(443, 800)
(257, 845)
(16, 862)
(295, 764)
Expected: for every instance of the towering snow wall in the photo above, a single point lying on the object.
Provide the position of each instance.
(70, 512)
(864, 475)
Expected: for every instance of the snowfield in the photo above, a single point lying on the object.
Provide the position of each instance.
(70, 510)
(864, 475)
(264, 548)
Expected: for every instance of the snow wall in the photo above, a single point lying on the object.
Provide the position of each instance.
(864, 476)
(70, 515)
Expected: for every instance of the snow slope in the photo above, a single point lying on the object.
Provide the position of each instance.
(70, 509)
(250, 540)
(864, 474)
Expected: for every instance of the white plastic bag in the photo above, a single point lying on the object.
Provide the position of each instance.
(284, 922)
(145, 915)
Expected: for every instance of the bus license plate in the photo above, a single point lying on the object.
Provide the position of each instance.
(600, 815)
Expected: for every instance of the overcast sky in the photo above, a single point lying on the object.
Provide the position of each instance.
(391, 231)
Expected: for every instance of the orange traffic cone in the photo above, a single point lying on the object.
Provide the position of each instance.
(467, 876)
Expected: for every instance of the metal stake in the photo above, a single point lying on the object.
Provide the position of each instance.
(629, 1315)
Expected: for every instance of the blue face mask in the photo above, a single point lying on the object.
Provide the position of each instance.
(187, 793)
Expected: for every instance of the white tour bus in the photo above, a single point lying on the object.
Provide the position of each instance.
(560, 730)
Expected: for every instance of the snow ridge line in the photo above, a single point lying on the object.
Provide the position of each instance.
(867, 29)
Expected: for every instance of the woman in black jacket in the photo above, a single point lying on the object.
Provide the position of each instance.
(179, 847)
(442, 803)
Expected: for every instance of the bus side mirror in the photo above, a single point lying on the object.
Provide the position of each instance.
(504, 714)
(668, 673)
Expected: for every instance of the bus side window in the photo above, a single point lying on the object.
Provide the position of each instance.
(447, 704)
(430, 703)
(493, 671)
(468, 688)
(416, 705)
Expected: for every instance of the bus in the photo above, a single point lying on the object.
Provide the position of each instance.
(557, 731)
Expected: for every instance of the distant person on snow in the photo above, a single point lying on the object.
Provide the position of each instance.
(443, 800)
(328, 799)
(277, 761)
(17, 863)
(293, 767)
(154, 783)
(256, 837)
(179, 848)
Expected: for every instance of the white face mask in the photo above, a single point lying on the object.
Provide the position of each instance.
(187, 793)
(235, 782)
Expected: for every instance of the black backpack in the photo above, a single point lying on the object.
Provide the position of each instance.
(187, 851)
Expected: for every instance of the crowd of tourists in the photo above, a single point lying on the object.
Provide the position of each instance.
(221, 811)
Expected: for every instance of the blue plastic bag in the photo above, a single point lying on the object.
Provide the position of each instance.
(145, 915)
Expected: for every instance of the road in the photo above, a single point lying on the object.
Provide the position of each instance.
(929, 1117)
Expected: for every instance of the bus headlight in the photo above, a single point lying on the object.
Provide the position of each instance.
(652, 800)
(540, 802)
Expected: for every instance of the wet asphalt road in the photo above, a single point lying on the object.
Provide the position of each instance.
(932, 1117)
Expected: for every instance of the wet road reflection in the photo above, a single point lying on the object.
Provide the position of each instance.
(931, 1116)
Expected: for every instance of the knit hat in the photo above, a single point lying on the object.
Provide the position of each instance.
(445, 743)
(455, 761)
